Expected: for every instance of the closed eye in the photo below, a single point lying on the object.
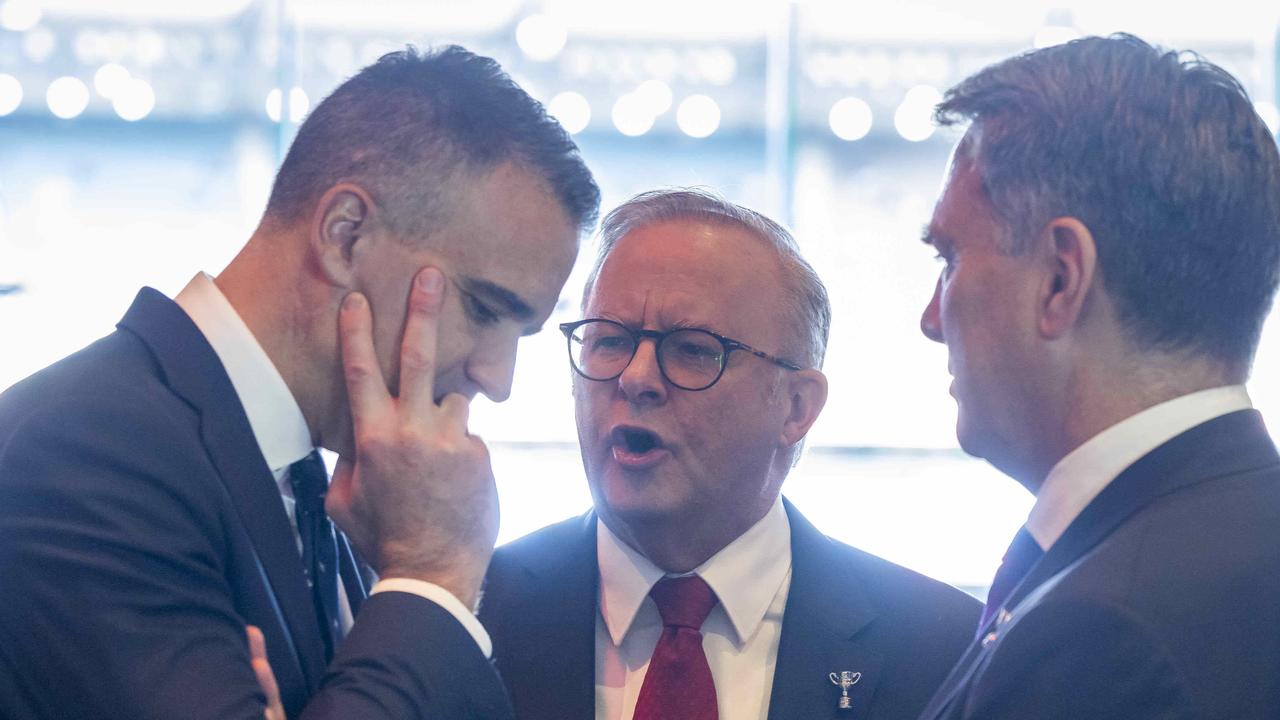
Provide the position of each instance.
(478, 311)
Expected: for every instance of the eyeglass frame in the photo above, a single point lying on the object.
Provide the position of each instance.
(658, 336)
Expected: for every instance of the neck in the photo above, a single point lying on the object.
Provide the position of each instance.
(1099, 395)
(267, 285)
(679, 545)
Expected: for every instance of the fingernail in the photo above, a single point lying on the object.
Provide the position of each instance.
(352, 301)
(430, 280)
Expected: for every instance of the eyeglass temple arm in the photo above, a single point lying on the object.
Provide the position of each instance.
(735, 345)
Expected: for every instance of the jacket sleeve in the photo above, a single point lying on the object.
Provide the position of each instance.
(114, 600)
(407, 657)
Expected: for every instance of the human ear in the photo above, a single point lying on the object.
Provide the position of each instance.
(1073, 265)
(339, 232)
(806, 395)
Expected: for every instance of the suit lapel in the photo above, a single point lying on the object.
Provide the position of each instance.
(194, 372)
(1227, 445)
(552, 662)
(826, 609)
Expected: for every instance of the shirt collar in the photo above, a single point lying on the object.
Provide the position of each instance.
(274, 415)
(1078, 478)
(745, 575)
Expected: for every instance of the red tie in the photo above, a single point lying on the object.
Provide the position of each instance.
(678, 685)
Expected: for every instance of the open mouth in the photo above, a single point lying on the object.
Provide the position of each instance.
(636, 440)
(635, 446)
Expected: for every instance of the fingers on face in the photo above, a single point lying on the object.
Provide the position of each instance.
(418, 350)
(366, 388)
(455, 410)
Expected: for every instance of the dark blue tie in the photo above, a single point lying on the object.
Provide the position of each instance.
(310, 481)
(1022, 554)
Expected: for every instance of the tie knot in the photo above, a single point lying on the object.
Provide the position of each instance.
(310, 482)
(1023, 552)
(683, 601)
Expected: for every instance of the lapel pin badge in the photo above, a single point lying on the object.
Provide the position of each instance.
(845, 679)
(1002, 619)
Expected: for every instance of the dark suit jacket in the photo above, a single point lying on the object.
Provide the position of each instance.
(1161, 600)
(141, 530)
(846, 610)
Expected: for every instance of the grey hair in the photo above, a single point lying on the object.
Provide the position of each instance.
(807, 303)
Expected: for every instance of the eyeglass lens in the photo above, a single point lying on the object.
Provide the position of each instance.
(689, 358)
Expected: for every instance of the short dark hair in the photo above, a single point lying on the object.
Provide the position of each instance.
(407, 127)
(1163, 157)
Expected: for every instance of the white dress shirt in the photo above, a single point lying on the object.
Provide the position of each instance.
(1078, 478)
(751, 578)
(281, 430)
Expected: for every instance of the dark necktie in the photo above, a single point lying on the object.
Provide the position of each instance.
(319, 545)
(1023, 553)
(678, 684)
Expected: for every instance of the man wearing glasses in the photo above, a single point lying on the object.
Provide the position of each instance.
(696, 379)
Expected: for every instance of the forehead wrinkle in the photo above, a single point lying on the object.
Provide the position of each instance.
(686, 314)
(654, 311)
(670, 286)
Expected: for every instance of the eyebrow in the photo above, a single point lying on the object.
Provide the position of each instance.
(511, 303)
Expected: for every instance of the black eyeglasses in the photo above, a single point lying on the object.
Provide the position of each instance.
(689, 358)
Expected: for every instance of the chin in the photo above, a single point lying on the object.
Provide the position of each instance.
(969, 439)
(985, 445)
(631, 496)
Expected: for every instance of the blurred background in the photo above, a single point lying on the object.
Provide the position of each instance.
(139, 138)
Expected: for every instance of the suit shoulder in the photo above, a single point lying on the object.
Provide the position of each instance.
(104, 412)
(545, 561)
(1214, 543)
(116, 371)
(543, 544)
(908, 591)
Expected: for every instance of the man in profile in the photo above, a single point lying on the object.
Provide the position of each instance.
(160, 489)
(1110, 238)
(693, 591)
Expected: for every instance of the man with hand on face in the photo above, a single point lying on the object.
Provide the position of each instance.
(160, 489)
(693, 591)
(1110, 228)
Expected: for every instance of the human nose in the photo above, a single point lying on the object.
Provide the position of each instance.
(641, 380)
(930, 320)
(493, 371)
